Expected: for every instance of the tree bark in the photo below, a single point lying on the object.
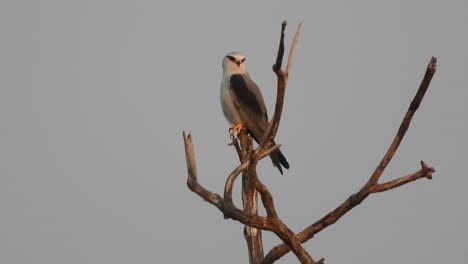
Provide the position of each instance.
(252, 235)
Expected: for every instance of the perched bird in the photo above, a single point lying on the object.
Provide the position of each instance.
(243, 104)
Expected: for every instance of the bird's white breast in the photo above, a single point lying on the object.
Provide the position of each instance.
(227, 103)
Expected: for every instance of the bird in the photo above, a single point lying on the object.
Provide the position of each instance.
(243, 104)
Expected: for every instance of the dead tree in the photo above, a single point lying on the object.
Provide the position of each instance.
(252, 186)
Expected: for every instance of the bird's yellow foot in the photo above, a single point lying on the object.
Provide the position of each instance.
(237, 128)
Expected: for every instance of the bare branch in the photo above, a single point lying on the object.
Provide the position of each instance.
(371, 185)
(192, 182)
(291, 52)
(265, 194)
(230, 182)
(270, 134)
(265, 148)
(253, 236)
(279, 57)
(248, 218)
(431, 68)
(290, 239)
(236, 145)
(215, 199)
(281, 230)
(424, 172)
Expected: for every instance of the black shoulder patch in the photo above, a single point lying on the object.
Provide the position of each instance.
(244, 94)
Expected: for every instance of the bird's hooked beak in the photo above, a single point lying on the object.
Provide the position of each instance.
(238, 63)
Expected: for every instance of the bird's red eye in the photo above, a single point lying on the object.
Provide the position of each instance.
(231, 58)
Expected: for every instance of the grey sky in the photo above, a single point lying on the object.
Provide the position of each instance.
(94, 96)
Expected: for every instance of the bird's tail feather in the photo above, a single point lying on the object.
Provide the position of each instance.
(279, 160)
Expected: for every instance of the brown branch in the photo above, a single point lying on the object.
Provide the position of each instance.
(431, 68)
(424, 172)
(292, 50)
(278, 227)
(371, 186)
(229, 211)
(270, 134)
(245, 218)
(253, 236)
(236, 145)
(281, 230)
(295, 245)
(192, 181)
(265, 148)
(230, 182)
(279, 57)
(267, 198)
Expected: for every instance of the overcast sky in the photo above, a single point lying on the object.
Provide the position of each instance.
(94, 96)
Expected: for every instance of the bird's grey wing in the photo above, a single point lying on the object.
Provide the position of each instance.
(249, 102)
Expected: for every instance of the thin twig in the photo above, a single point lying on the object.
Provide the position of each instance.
(279, 57)
(270, 134)
(236, 145)
(431, 68)
(424, 172)
(291, 52)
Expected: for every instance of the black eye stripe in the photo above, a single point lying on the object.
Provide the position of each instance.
(233, 59)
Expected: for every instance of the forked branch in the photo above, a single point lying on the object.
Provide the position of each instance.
(371, 186)
(228, 209)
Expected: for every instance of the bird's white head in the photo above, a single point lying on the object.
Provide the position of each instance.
(234, 62)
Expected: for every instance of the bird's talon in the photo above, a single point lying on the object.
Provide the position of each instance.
(236, 129)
